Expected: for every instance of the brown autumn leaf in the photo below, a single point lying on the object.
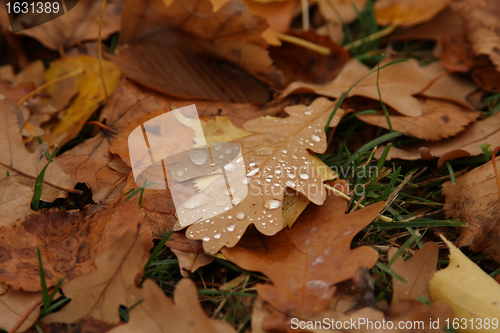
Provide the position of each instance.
(15, 200)
(15, 304)
(24, 166)
(467, 143)
(311, 66)
(407, 13)
(417, 270)
(231, 34)
(304, 262)
(275, 158)
(189, 262)
(474, 199)
(397, 82)
(159, 314)
(17, 92)
(439, 120)
(481, 21)
(99, 294)
(87, 325)
(79, 24)
(69, 242)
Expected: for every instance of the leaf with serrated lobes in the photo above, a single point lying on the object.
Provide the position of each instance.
(276, 158)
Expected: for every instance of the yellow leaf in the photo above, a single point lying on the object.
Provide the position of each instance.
(89, 86)
(471, 292)
(222, 129)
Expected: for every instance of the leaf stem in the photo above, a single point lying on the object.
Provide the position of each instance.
(372, 37)
(304, 43)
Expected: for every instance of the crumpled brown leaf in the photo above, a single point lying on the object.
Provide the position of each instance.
(69, 242)
(304, 262)
(22, 165)
(398, 83)
(275, 158)
(474, 199)
(15, 304)
(439, 120)
(159, 314)
(465, 144)
(79, 24)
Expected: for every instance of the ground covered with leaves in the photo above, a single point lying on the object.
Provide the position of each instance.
(368, 130)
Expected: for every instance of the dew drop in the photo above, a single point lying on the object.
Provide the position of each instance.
(230, 217)
(316, 138)
(245, 181)
(199, 157)
(228, 151)
(218, 147)
(217, 235)
(197, 201)
(253, 172)
(277, 171)
(240, 215)
(268, 180)
(239, 160)
(291, 176)
(206, 239)
(230, 167)
(230, 227)
(221, 156)
(272, 204)
(180, 173)
(294, 156)
(304, 176)
(290, 183)
(284, 151)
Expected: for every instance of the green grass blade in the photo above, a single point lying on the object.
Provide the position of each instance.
(158, 248)
(37, 192)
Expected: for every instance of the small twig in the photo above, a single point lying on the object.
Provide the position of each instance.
(305, 15)
(305, 44)
(48, 84)
(372, 37)
(494, 162)
(99, 49)
(25, 316)
(348, 198)
(101, 125)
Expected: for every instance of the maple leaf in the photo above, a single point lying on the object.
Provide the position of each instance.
(231, 33)
(79, 24)
(407, 13)
(25, 167)
(14, 305)
(439, 120)
(276, 158)
(467, 143)
(69, 242)
(304, 262)
(474, 199)
(397, 82)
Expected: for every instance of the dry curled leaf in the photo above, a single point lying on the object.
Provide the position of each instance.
(158, 314)
(465, 144)
(24, 166)
(304, 262)
(474, 199)
(397, 82)
(439, 120)
(418, 270)
(275, 158)
(407, 13)
(69, 242)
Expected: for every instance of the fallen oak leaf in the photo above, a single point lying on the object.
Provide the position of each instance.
(25, 167)
(15, 200)
(474, 199)
(276, 158)
(439, 120)
(397, 82)
(15, 304)
(189, 262)
(407, 13)
(69, 242)
(304, 262)
(471, 292)
(157, 313)
(99, 294)
(467, 143)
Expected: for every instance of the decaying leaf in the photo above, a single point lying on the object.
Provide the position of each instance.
(304, 262)
(99, 294)
(157, 313)
(467, 288)
(418, 270)
(275, 158)
(439, 120)
(69, 242)
(465, 144)
(15, 200)
(14, 305)
(90, 92)
(398, 83)
(231, 34)
(474, 199)
(407, 13)
(79, 24)
(189, 262)
(25, 167)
